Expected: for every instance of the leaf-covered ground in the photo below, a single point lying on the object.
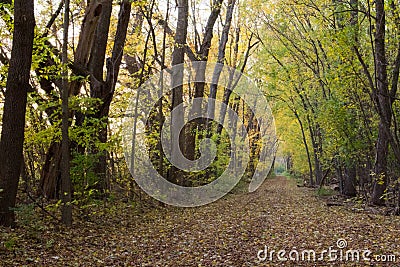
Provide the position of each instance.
(229, 232)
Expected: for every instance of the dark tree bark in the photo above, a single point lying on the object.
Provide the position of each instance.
(98, 53)
(383, 99)
(201, 56)
(338, 171)
(95, 67)
(233, 78)
(350, 174)
(384, 107)
(230, 87)
(103, 88)
(12, 135)
(178, 57)
(85, 43)
(106, 92)
(317, 150)
(216, 76)
(221, 58)
(304, 138)
(49, 184)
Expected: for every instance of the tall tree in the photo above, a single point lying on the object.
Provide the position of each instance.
(178, 57)
(202, 56)
(12, 135)
(221, 58)
(384, 98)
(104, 89)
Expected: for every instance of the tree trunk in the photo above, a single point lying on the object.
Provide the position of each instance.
(12, 135)
(49, 184)
(384, 108)
(380, 167)
(234, 79)
(349, 188)
(178, 57)
(96, 66)
(339, 175)
(202, 56)
(220, 60)
(317, 151)
(104, 90)
(303, 134)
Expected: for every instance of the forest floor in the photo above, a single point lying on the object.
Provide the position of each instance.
(234, 231)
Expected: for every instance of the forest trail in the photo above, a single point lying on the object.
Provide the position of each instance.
(229, 232)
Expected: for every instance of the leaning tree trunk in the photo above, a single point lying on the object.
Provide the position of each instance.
(12, 135)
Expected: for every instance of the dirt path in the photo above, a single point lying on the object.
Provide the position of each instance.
(229, 232)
